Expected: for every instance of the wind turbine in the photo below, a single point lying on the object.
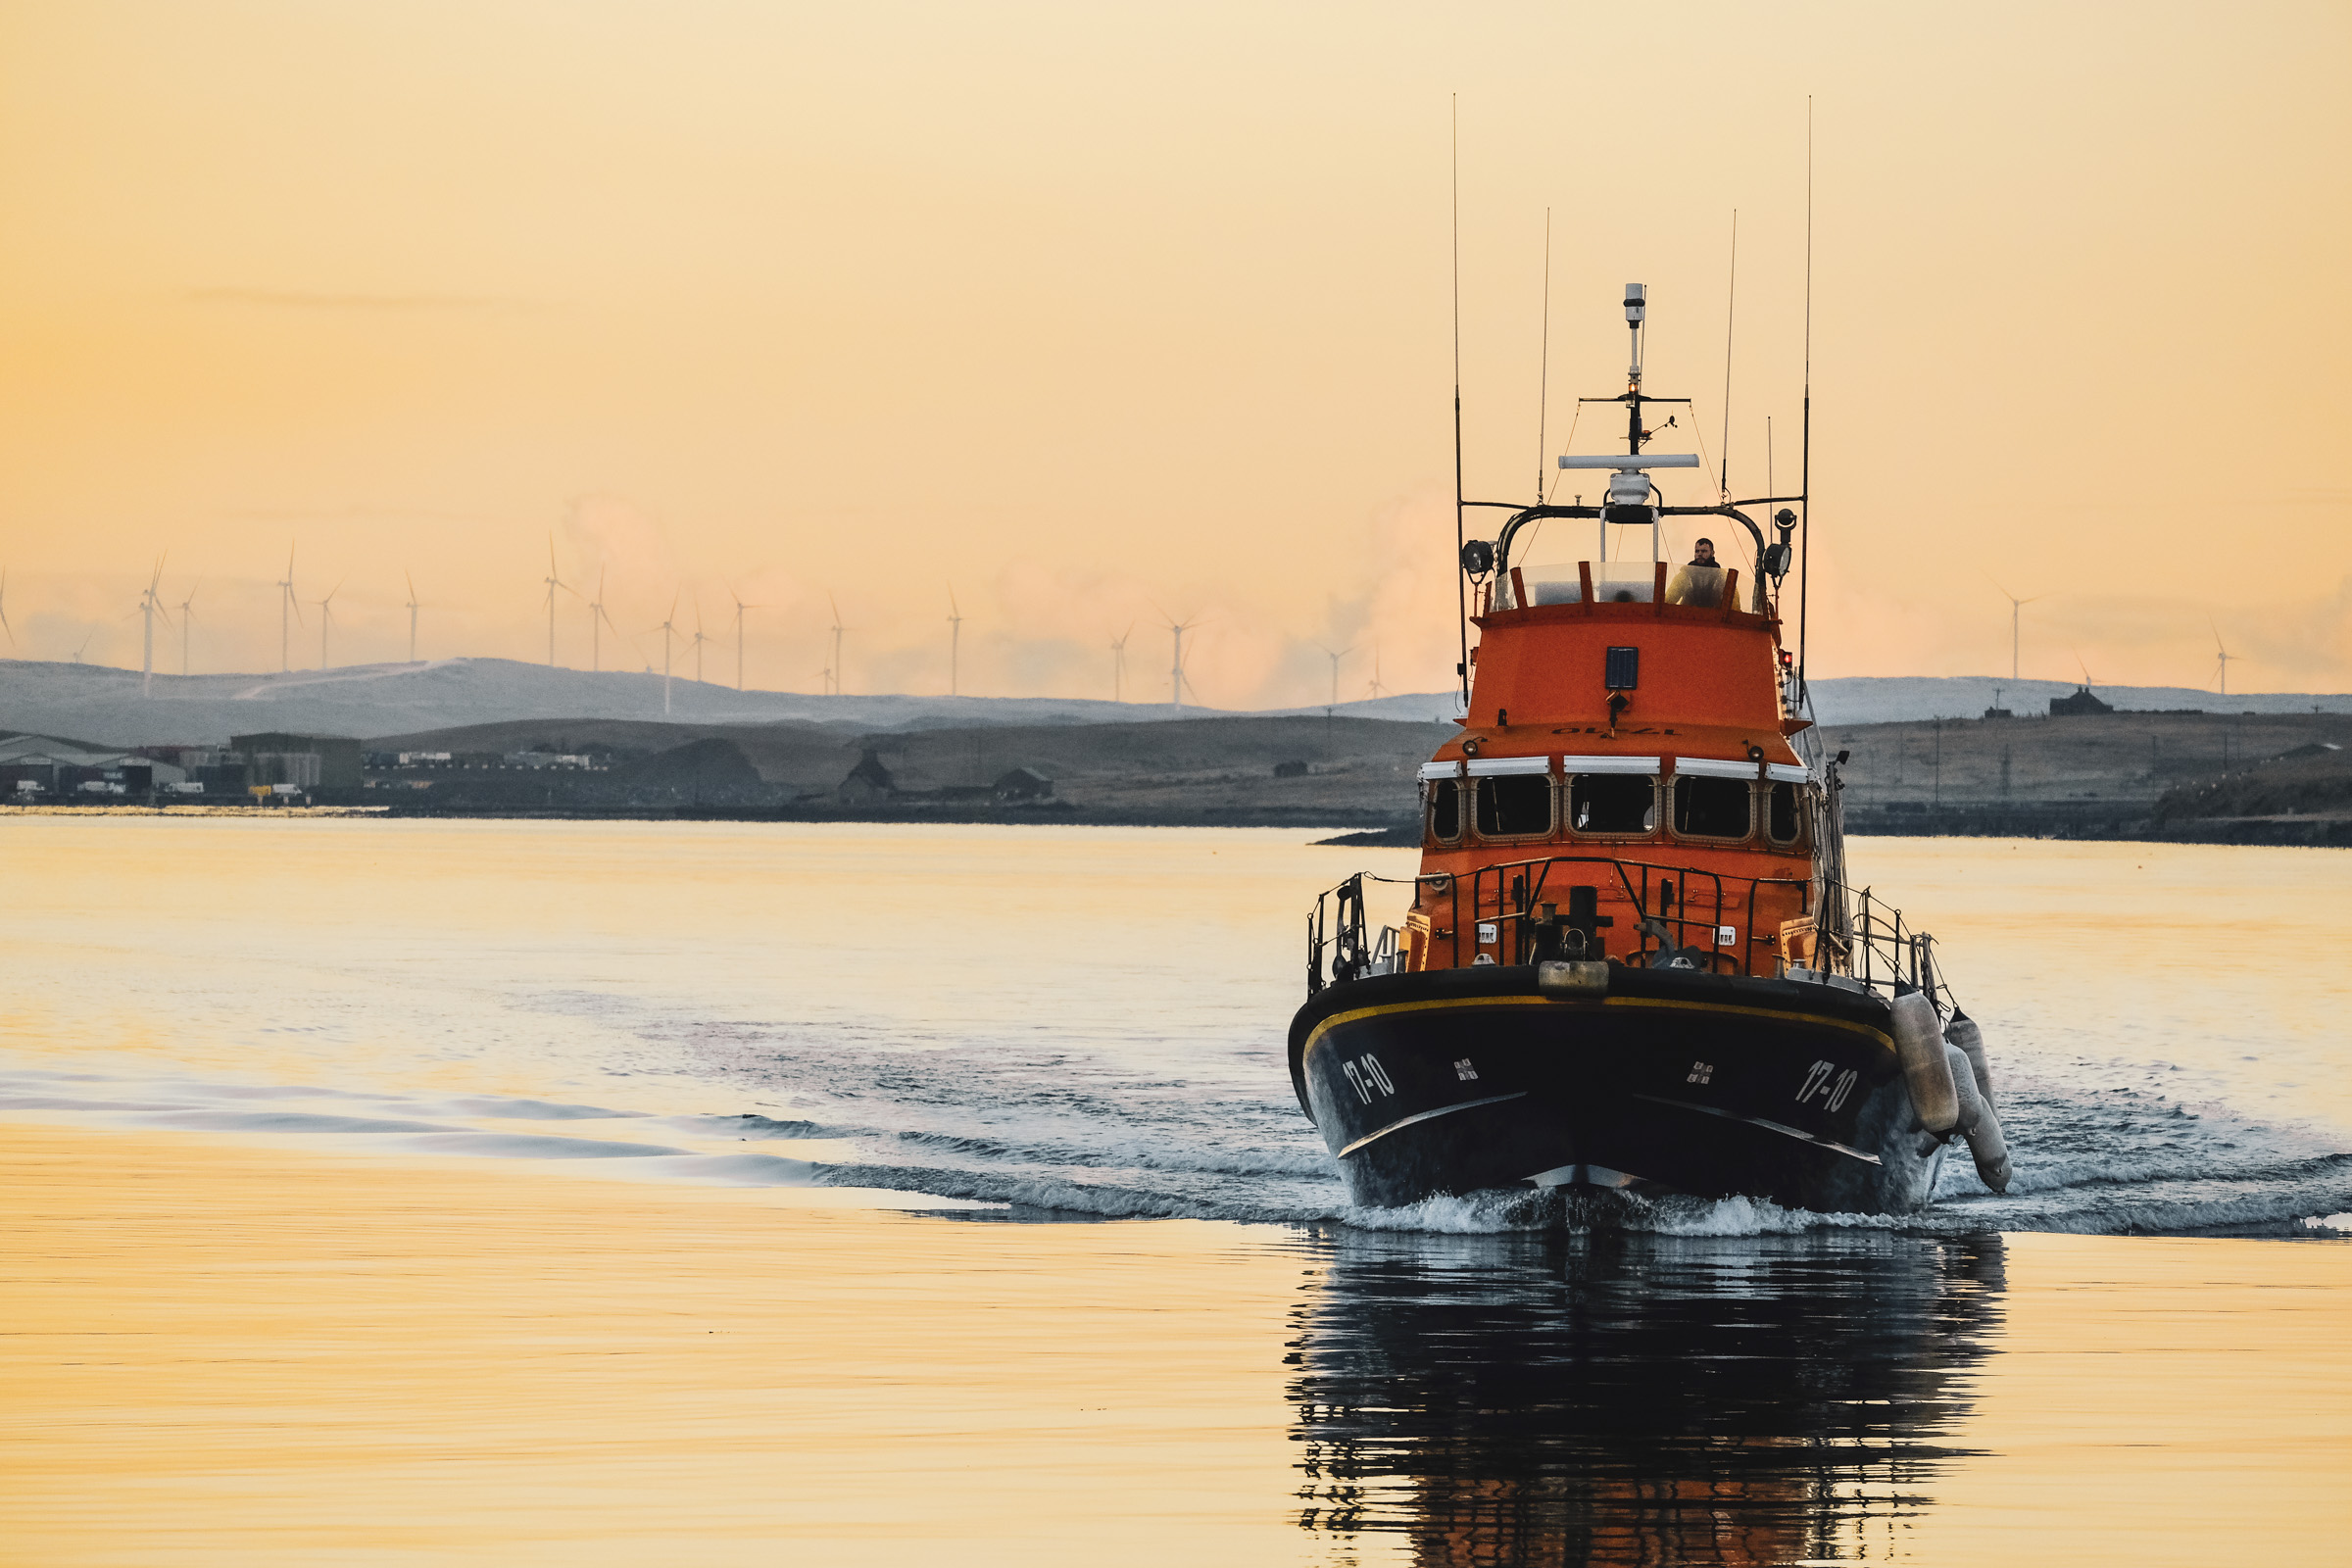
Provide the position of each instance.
(1334, 670)
(599, 616)
(2222, 658)
(4, 626)
(327, 621)
(596, 624)
(837, 631)
(150, 604)
(666, 630)
(187, 613)
(1378, 689)
(2015, 606)
(554, 582)
(1119, 663)
(1176, 681)
(699, 639)
(954, 638)
(739, 608)
(411, 577)
(286, 602)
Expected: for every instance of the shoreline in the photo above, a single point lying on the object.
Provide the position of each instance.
(1350, 829)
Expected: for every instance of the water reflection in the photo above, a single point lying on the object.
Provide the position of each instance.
(1613, 1398)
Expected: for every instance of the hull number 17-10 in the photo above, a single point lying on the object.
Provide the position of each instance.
(1368, 1078)
(1825, 1083)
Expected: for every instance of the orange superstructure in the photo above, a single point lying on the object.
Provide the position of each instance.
(1693, 735)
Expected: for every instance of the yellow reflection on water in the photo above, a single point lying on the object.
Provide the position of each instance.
(2159, 1401)
(218, 1355)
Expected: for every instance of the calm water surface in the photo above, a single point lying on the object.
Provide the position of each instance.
(1080, 1020)
(1070, 1022)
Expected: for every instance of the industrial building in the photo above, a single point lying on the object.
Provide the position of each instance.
(325, 765)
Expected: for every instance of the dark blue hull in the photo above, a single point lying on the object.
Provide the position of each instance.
(1451, 1081)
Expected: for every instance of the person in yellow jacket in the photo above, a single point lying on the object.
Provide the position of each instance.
(1700, 582)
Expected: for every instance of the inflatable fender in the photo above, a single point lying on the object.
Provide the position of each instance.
(1963, 1032)
(1979, 1124)
(1919, 1047)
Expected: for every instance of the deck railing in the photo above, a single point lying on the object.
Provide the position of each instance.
(1677, 908)
(1871, 945)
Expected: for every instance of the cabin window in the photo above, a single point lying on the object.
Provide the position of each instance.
(1713, 808)
(1613, 803)
(1782, 819)
(1515, 805)
(1444, 809)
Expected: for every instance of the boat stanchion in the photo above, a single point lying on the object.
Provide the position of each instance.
(1919, 1047)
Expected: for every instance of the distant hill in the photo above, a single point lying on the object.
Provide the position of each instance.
(370, 699)
(1900, 699)
(112, 707)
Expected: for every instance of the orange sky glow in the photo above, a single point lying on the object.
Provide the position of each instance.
(1099, 314)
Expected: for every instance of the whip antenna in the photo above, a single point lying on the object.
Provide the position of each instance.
(1804, 462)
(1461, 592)
(1731, 304)
(1543, 378)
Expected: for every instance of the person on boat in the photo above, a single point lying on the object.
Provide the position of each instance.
(1700, 581)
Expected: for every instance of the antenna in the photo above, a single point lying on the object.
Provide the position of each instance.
(411, 577)
(954, 638)
(2015, 605)
(326, 619)
(187, 613)
(1119, 663)
(1543, 376)
(1461, 591)
(1731, 305)
(1804, 482)
(2223, 656)
(285, 602)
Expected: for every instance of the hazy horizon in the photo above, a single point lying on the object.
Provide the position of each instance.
(1094, 319)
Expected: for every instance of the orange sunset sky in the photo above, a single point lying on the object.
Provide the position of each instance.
(1096, 312)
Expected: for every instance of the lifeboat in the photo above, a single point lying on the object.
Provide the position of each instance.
(1630, 959)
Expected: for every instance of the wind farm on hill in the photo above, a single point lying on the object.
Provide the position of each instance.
(808, 641)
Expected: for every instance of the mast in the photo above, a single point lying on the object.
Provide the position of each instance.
(1636, 308)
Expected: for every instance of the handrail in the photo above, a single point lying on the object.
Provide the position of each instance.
(1516, 900)
(1876, 939)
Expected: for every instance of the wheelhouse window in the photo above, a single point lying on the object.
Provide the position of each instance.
(1782, 821)
(1444, 809)
(1705, 808)
(1515, 805)
(1613, 804)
